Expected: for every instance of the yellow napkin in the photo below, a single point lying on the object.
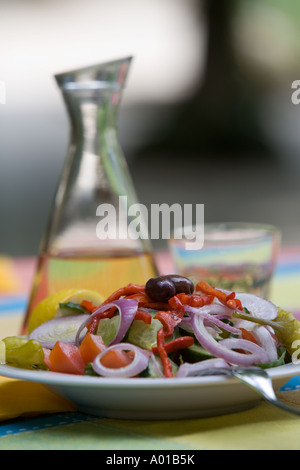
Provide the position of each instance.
(20, 398)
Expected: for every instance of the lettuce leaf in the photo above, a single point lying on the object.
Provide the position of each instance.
(282, 353)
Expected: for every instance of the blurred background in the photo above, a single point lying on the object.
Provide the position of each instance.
(206, 116)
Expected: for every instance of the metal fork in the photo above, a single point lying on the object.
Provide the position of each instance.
(257, 379)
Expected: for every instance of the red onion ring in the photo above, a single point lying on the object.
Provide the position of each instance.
(139, 363)
(266, 341)
(127, 310)
(213, 312)
(213, 309)
(59, 329)
(258, 354)
(190, 370)
(222, 349)
(204, 313)
(258, 307)
(185, 325)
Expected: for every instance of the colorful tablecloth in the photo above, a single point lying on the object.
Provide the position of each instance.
(54, 424)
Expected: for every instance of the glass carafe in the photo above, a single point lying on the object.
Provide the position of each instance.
(87, 244)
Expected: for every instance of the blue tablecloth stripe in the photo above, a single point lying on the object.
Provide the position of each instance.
(13, 304)
(41, 422)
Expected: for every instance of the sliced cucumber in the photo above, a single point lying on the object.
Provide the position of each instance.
(195, 353)
(152, 371)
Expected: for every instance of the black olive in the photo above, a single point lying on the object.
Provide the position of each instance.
(182, 284)
(160, 289)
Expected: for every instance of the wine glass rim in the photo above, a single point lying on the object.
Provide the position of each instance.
(228, 232)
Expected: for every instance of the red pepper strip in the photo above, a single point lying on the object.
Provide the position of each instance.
(178, 343)
(226, 299)
(167, 366)
(91, 308)
(176, 304)
(92, 325)
(145, 301)
(140, 297)
(248, 335)
(94, 322)
(144, 316)
(195, 300)
(172, 317)
(168, 322)
(235, 304)
(130, 289)
(209, 290)
(88, 306)
(230, 296)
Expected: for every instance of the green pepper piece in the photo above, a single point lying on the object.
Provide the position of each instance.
(12, 342)
(23, 352)
(285, 325)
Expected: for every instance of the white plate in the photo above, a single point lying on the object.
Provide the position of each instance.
(153, 399)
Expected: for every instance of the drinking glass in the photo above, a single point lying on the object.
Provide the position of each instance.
(239, 257)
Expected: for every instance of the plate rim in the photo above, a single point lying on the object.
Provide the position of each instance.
(61, 379)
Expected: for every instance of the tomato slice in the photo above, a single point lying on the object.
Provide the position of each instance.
(66, 358)
(115, 359)
(90, 347)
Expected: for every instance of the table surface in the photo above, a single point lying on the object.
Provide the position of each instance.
(262, 427)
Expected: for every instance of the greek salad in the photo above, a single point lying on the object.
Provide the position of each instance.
(167, 328)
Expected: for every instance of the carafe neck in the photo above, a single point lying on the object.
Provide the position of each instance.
(93, 114)
(92, 96)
